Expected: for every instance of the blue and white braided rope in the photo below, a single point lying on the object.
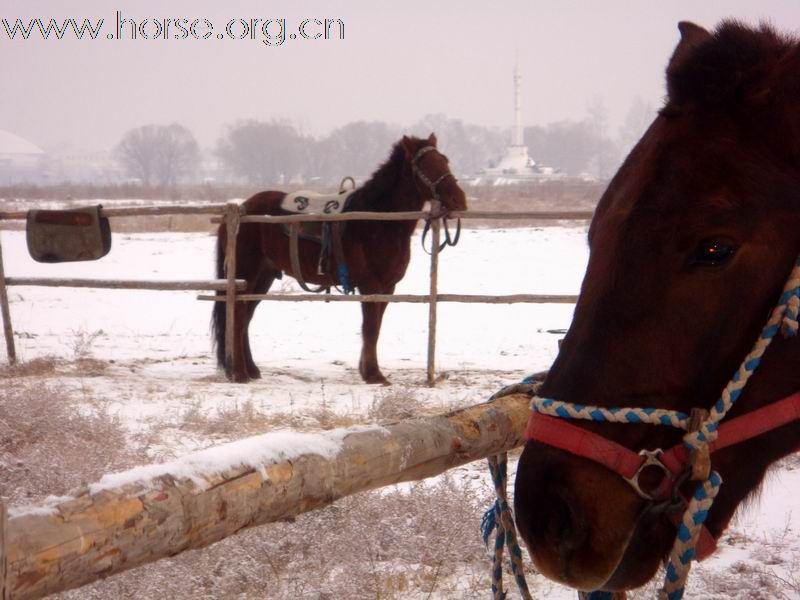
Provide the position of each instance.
(683, 550)
(568, 410)
(784, 318)
(500, 517)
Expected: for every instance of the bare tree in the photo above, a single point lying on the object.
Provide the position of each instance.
(570, 146)
(469, 147)
(158, 154)
(354, 149)
(638, 118)
(264, 152)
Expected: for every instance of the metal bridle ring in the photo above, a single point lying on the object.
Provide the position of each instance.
(650, 460)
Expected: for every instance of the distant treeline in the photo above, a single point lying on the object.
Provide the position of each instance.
(157, 160)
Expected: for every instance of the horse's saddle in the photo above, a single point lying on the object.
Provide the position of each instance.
(314, 203)
(67, 235)
(325, 233)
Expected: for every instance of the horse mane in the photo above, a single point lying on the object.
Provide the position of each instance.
(733, 66)
(376, 192)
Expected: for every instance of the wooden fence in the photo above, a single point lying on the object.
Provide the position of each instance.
(230, 214)
(132, 518)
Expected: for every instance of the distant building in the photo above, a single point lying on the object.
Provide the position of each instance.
(516, 164)
(20, 160)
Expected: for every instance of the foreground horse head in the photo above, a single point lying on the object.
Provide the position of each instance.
(690, 245)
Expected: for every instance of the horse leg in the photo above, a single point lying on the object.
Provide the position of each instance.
(261, 285)
(372, 313)
(237, 371)
(255, 269)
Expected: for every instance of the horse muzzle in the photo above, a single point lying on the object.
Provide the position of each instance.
(572, 537)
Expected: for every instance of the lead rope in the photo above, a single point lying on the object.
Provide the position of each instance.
(499, 517)
(784, 318)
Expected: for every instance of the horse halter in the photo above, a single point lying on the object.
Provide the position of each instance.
(433, 186)
(689, 459)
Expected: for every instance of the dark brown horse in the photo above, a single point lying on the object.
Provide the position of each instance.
(690, 246)
(376, 252)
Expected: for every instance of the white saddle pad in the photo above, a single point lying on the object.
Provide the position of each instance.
(314, 203)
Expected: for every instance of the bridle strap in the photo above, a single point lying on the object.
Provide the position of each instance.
(449, 240)
(434, 188)
(748, 426)
(559, 433)
(432, 185)
(562, 434)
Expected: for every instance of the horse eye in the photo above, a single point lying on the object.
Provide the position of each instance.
(713, 252)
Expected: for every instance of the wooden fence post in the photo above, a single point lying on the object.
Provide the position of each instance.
(4, 593)
(232, 229)
(6, 312)
(435, 222)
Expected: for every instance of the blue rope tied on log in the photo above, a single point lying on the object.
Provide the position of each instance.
(499, 518)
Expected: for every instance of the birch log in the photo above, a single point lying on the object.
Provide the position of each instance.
(148, 513)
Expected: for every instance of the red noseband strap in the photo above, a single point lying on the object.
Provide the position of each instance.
(562, 434)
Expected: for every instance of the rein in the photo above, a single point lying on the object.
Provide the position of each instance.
(705, 435)
(433, 186)
(448, 239)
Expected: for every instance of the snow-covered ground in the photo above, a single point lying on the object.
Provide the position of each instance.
(159, 366)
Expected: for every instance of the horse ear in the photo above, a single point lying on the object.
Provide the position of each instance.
(688, 79)
(408, 146)
(432, 139)
(692, 36)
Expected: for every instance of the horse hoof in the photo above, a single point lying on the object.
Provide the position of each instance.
(377, 380)
(239, 378)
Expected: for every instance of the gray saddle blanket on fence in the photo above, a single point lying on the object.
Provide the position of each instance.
(313, 203)
(67, 235)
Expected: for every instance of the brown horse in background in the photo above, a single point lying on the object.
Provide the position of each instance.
(376, 252)
(690, 246)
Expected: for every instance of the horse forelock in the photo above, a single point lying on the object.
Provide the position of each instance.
(733, 67)
(706, 170)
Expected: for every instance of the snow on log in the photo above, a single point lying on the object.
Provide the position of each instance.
(135, 517)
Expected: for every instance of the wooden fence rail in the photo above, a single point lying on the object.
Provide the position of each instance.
(403, 298)
(127, 284)
(230, 213)
(140, 516)
(138, 211)
(413, 216)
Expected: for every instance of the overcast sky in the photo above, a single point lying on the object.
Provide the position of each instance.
(397, 62)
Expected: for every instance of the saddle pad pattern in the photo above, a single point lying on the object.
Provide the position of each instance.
(313, 203)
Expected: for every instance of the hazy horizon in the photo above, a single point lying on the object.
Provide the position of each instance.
(396, 63)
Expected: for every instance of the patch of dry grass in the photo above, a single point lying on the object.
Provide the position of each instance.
(38, 367)
(49, 443)
(396, 404)
(49, 366)
(243, 419)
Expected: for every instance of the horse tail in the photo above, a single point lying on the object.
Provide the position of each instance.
(219, 311)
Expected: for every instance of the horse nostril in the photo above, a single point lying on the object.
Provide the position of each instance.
(563, 526)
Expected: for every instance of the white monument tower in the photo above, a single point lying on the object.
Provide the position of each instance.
(516, 162)
(516, 136)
